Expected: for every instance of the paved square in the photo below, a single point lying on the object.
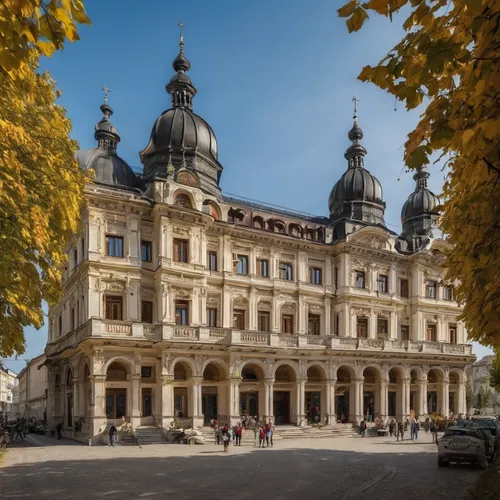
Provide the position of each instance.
(339, 468)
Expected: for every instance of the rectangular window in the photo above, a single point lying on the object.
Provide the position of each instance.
(75, 257)
(212, 260)
(146, 372)
(182, 312)
(181, 250)
(315, 275)
(287, 323)
(430, 289)
(405, 332)
(212, 316)
(114, 246)
(453, 334)
(313, 324)
(72, 319)
(337, 324)
(383, 283)
(264, 318)
(146, 311)
(405, 289)
(448, 293)
(77, 313)
(146, 251)
(286, 271)
(241, 264)
(83, 249)
(382, 327)
(263, 268)
(116, 403)
(360, 279)
(362, 327)
(114, 307)
(336, 277)
(431, 333)
(60, 324)
(239, 319)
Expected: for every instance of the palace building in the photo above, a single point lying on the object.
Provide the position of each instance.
(181, 301)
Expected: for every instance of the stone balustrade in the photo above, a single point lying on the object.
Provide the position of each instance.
(97, 327)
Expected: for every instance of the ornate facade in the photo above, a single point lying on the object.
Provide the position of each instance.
(181, 301)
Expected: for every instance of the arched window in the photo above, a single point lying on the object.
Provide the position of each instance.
(258, 223)
(183, 200)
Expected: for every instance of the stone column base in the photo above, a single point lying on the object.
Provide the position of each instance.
(198, 421)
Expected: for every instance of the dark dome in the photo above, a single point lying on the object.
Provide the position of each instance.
(109, 168)
(419, 203)
(357, 184)
(181, 129)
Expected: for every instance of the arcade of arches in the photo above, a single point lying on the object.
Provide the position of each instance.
(95, 391)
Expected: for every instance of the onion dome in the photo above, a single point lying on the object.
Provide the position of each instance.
(357, 196)
(182, 138)
(109, 168)
(419, 212)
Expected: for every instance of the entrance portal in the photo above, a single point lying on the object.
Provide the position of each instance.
(313, 408)
(342, 407)
(209, 407)
(147, 402)
(432, 402)
(369, 405)
(281, 407)
(249, 404)
(391, 403)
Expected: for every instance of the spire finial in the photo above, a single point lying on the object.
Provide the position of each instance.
(106, 92)
(355, 100)
(181, 35)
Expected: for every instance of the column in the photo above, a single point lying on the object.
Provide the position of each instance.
(195, 307)
(393, 325)
(252, 310)
(227, 312)
(331, 417)
(422, 395)
(51, 396)
(356, 400)
(393, 280)
(99, 419)
(76, 399)
(302, 316)
(234, 400)
(135, 419)
(167, 400)
(203, 306)
(269, 398)
(405, 397)
(372, 327)
(462, 398)
(384, 401)
(275, 323)
(327, 329)
(300, 400)
(445, 398)
(196, 401)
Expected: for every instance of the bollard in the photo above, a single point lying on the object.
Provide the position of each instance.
(90, 441)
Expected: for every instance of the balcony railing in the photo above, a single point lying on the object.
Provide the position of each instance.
(187, 332)
(288, 340)
(120, 327)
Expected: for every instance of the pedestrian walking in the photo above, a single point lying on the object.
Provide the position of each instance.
(401, 431)
(237, 434)
(111, 435)
(362, 428)
(434, 431)
(218, 436)
(226, 437)
(59, 427)
(417, 428)
(262, 436)
(391, 428)
(269, 435)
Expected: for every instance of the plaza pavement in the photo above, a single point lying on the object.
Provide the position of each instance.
(338, 468)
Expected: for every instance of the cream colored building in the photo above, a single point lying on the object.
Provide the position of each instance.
(33, 387)
(8, 383)
(181, 301)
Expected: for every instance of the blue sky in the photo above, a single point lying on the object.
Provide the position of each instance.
(275, 81)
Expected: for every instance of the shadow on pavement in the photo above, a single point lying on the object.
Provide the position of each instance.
(298, 473)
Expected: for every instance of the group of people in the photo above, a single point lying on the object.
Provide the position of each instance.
(398, 429)
(225, 434)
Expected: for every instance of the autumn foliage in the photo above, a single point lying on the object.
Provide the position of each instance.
(41, 185)
(450, 61)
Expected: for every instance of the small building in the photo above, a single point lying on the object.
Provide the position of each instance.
(8, 381)
(33, 387)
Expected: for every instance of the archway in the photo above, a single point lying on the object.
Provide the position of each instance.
(435, 399)
(454, 396)
(252, 392)
(285, 398)
(345, 394)
(396, 397)
(372, 397)
(183, 404)
(212, 394)
(118, 395)
(315, 395)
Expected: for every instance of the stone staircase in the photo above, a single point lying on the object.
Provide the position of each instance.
(149, 435)
(291, 432)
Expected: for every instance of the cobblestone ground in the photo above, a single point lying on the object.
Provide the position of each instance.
(339, 469)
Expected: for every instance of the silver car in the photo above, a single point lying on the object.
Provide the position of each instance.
(461, 444)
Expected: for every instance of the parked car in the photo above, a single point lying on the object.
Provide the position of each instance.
(464, 444)
(490, 426)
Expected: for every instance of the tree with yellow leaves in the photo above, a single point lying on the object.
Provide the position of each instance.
(451, 56)
(41, 185)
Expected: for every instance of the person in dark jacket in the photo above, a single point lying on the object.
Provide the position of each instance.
(111, 434)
